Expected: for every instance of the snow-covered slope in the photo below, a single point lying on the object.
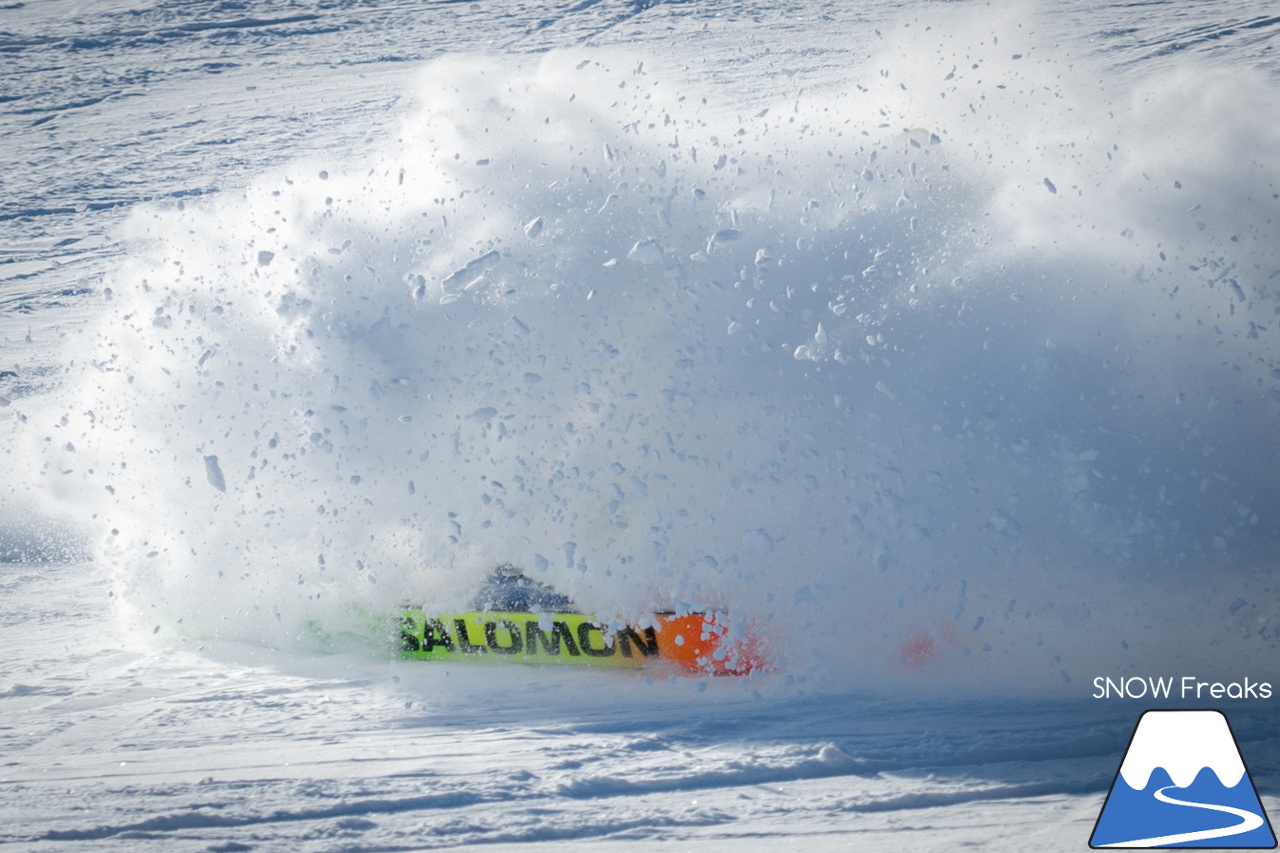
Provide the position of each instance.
(197, 746)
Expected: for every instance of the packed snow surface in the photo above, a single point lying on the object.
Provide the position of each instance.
(936, 338)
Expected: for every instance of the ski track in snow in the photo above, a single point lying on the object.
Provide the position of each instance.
(111, 737)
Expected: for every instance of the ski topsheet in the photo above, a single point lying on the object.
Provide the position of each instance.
(697, 642)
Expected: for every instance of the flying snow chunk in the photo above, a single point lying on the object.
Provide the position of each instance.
(882, 557)
(533, 228)
(646, 252)
(812, 351)
(214, 473)
(474, 268)
(758, 540)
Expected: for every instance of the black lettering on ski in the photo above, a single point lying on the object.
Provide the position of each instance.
(491, 637)
(604, 650)
(409, 639)
(533, 635)
(464, 642)
(435, 634)
(647, 644)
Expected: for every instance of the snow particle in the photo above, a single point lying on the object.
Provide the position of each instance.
(646, 252)
(214, 473)
(758, 540)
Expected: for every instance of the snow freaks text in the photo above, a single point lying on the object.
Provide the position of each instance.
(1186, 687)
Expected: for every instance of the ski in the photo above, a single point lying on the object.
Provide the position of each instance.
(695, 642)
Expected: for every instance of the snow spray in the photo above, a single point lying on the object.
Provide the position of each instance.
(964, 369)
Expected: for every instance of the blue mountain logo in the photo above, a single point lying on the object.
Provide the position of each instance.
(1183, 783)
